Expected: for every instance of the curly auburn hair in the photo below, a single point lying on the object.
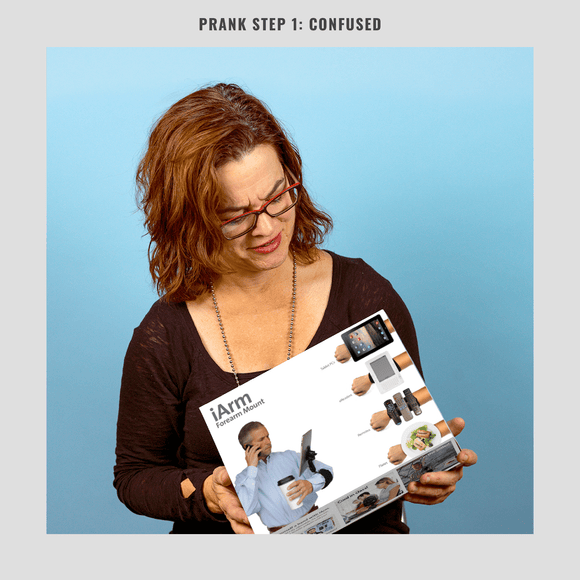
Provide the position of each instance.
(179, 193)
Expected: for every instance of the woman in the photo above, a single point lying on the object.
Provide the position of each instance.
(235, 255)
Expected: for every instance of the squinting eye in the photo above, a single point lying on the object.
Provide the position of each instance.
(236, 221)
(280, 197)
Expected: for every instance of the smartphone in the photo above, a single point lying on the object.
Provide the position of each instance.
(247, 446)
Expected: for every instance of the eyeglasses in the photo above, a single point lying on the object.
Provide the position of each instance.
(279, 204)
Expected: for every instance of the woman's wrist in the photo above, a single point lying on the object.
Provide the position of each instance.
(187, 488)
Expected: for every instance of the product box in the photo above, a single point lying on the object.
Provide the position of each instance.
(349, 423)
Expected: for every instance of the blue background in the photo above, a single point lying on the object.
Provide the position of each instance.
(424, 158)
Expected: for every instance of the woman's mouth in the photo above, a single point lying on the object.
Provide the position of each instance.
(270, 246)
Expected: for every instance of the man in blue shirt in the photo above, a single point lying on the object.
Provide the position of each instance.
(389, 489)
(257, 485)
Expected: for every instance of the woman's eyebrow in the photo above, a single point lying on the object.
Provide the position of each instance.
(273, 191)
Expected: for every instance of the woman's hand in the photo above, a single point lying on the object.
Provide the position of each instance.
(380, 420)
(221, 498)
(434, 488)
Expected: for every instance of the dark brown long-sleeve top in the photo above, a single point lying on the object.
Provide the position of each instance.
(162, 437)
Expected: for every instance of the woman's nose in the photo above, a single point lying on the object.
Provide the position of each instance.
(264, 225)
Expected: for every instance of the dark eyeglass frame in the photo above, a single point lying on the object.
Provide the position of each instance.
(264, 209)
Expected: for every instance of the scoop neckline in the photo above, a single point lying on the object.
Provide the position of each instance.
(208, 361)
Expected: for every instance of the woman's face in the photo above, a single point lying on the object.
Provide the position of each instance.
(247, 185)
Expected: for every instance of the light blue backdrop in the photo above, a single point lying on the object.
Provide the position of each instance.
(424, 159)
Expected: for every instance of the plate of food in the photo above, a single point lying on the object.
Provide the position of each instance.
(420, 437)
